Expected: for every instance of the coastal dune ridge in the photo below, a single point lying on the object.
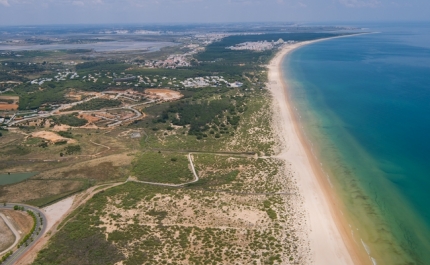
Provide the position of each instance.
(329, 235)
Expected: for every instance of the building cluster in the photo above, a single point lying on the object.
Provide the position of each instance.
(208, 81)
(259, 45)
(207, 39)
(172, 62)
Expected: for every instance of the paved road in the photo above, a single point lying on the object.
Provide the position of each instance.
(65, 106)
(39, 214)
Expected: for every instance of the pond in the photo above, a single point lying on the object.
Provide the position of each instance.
(6, 179)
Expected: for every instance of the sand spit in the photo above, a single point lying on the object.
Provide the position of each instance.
(328, 232)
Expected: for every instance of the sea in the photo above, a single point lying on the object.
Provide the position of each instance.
(363, 103)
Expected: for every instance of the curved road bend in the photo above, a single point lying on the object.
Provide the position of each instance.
(39, 214)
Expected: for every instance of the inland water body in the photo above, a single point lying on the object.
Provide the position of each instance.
(364, 106)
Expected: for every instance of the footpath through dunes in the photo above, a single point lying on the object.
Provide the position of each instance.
(330, 239)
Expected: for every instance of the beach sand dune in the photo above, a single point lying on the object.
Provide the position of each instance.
(327, 231)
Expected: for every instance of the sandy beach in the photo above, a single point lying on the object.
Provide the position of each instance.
(328, 233)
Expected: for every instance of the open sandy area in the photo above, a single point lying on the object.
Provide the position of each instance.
(53, 137)
(5, 105)
(164, 94)
(6, 236)
(328, 232)
(60, 128)
(56, 211)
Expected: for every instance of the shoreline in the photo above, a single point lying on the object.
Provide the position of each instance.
(329, 234)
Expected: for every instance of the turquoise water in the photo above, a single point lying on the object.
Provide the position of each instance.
(364, 102)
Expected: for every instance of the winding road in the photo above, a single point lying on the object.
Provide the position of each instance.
(36, 234)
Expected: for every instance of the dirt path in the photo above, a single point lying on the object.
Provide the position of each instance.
(196, 177)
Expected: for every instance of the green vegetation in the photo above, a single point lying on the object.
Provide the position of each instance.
(72, 149)
(215, 180)
(77, 243)
(198, 115)
(6, 256)
(27, 236)
(270, 212)
(66, 134)
(138, 223)
(15, 150)
(108, 65)
(81, 238)
(97, 103)
(162, 167)
(31, 97)
(71, 120)
(18, 208)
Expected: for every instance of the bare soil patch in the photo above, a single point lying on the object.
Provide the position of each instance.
(89, 117)
(9, 102)
(52, 137)
(15, 98)
(6, 236)
(22, 221)
(164, 94)
(61, 128)
(6, 106)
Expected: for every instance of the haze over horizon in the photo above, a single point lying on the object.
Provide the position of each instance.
(38, 12)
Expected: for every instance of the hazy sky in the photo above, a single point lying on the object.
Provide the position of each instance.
(27, 12)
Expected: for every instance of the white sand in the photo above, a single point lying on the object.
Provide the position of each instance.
(56, 211)
(327, 243)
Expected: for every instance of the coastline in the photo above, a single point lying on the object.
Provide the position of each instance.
(329, 234)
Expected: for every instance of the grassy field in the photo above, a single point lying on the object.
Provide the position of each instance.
(59, 176)
(162, 167)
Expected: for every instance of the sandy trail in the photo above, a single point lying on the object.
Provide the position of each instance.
(330, 241)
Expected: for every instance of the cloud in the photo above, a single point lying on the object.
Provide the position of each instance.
(360, 3)
(4, 2)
